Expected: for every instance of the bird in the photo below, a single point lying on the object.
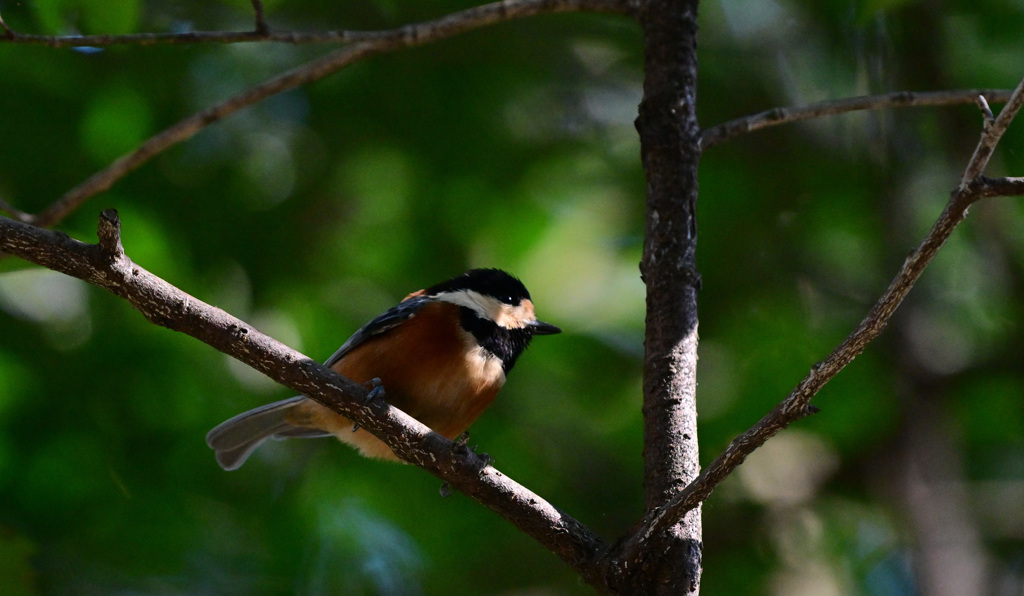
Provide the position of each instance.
(440, 355)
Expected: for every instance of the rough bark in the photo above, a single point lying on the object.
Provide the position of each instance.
(670, 150)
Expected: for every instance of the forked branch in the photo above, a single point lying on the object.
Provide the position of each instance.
(973, 186)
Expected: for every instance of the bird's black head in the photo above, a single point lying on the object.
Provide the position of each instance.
(496, 309)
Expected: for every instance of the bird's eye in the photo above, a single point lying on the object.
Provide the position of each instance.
(506, 299)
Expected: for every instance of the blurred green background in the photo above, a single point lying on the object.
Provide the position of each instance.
(512, 147)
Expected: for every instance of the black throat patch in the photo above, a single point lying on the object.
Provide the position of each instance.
(506, 344)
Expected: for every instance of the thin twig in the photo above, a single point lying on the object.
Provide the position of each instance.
(188, 37)
(728, 130)
(261, 22)
(382, 41)
(496, 12)
(797, 404)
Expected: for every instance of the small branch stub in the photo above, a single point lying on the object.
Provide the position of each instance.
(109, 233)
(986, 111)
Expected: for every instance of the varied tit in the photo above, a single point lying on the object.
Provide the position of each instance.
(440, 355)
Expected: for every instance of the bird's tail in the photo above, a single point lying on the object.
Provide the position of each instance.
(236, 438)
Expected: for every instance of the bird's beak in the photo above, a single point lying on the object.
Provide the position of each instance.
(542, 328)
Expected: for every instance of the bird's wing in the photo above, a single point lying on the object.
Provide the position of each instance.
(390, 319)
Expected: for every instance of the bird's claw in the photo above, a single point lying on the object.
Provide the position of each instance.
(461, 446)
(376, 390)
(460, 442)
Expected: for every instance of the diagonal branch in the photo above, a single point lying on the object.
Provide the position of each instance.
(903, 99)
(372, 43)
(105, 265)
(797, 405)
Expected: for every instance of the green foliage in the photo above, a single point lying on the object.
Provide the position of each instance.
(115, 122)
(513, 147)
(64, 17)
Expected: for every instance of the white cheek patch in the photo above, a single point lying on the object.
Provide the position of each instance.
(504, 315)
(484, 306)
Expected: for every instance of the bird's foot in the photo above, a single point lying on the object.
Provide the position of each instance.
(376, 390)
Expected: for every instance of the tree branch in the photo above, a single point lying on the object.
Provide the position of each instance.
(472, 18)
(797, 405)
(903, 99)
(105, 265)
(370, 44)
(984, 187)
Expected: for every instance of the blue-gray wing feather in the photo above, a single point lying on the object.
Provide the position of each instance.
(390, 319)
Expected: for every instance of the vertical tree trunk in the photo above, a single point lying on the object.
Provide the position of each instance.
(670, 149)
